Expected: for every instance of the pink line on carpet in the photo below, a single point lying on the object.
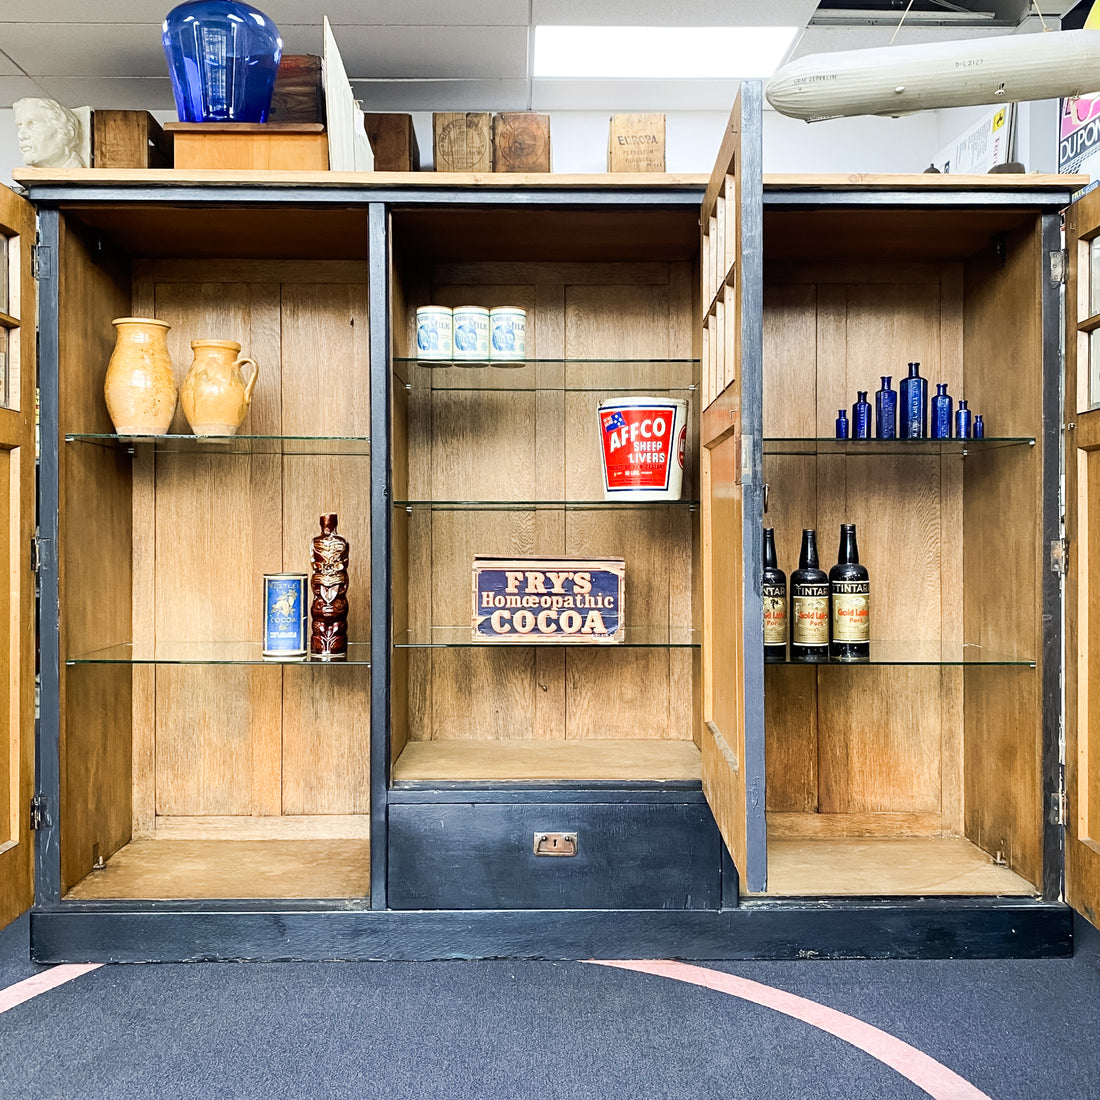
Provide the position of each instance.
(42, 983)
(925, 1072)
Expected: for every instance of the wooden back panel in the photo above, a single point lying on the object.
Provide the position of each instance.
(485, 442)
(261, 741)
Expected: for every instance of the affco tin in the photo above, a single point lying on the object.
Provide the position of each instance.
(285, 616)
(642, 441)
(507, 334)
(434, 333)
(471, 335)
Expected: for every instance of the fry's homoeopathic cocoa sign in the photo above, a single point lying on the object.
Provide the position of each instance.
(531, 600)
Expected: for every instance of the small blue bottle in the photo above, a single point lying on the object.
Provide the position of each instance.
(979, 427)
(842, 424)
(962, 421)
(913, 402)
(941, 412)
(861, 416)
(886, 411)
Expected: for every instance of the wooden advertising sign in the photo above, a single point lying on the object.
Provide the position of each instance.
(462, 142)
(537, 600)
(521, 142)
(636, 143)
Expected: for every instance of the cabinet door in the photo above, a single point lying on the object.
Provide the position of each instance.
(17, 420)
(1082, 402)
(732, 737)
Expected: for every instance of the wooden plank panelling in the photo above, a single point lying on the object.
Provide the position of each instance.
(94, 565)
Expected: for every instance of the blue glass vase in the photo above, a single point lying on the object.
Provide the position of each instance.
(222, 58)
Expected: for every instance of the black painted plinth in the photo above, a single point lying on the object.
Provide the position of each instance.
(957, 928)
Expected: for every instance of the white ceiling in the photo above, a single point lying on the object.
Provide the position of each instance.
(401, 57)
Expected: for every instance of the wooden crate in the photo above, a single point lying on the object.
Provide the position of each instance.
(462, 141)
(233, 146)
(299, 94)
(636, 143)
(129, 139)
(393, 141)
(521, 142)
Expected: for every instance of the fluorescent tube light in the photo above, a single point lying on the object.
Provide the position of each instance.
(660, 53)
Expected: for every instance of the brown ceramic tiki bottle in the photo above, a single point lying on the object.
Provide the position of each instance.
(328, 614)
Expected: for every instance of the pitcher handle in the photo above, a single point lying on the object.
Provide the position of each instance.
(251, 384)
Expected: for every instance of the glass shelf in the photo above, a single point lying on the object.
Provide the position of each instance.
(924, 447)
(637, 637)
(668, 376)
(208, 653)
(540, 505)
(923, 653)
(231, 444)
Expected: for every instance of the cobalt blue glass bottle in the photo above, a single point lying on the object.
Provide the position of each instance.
(941, 412)
(979, 427)
(861, 416)
(222, 57)
(842, 424)
(913, 399)
(962, 421)
(886, 411)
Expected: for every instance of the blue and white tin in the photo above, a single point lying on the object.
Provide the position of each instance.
(434, 333)
(507, 334)
(471, 329)
(285, 616)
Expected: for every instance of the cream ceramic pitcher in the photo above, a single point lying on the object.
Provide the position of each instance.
(214, 395)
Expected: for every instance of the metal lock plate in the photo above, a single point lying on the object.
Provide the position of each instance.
(555, 844)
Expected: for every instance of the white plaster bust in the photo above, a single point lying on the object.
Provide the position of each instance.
(52, 135)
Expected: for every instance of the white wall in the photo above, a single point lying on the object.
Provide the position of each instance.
(579, 140)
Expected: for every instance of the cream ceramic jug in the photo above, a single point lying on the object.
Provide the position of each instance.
(214, 395)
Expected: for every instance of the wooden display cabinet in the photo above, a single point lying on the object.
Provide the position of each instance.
(400, 806)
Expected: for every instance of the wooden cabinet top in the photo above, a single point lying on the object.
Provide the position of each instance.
(505, 182)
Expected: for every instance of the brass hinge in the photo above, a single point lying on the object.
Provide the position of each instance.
(1058, 267)
(40, 813)
(1059, 555)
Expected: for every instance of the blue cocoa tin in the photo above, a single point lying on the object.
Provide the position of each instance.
(285, 616)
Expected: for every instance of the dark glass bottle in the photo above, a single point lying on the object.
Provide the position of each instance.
(979, 427)
(809, 605)
(941, 412)
(913, 403)
(850, 602)
(886, 411)
(861, 416)
(962, 421)
(842, 423)
(775, 603)
(328, 614)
